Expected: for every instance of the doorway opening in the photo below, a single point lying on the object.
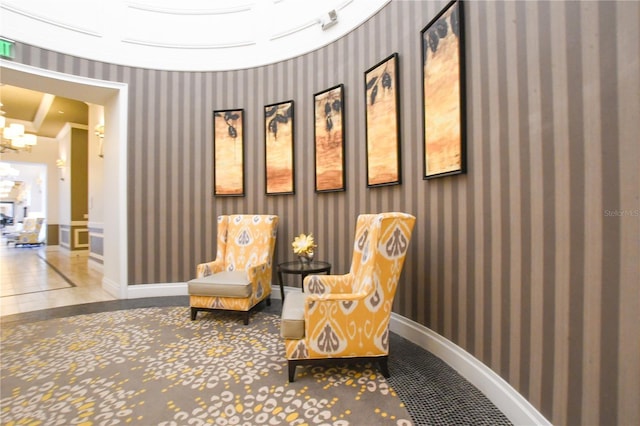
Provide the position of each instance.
(113, 96)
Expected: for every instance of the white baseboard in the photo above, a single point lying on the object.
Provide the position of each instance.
(513, 405)
(72, 253)
(111, 287)
(95, 265)
(156, 290)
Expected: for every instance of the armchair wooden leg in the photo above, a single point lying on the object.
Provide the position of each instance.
(268, 300)
(384, 366)
(246, 318)
(292, 371)
(194, 312)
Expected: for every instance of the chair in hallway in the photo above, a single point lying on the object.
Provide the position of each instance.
(240, 276)
(33, 232)
(347, 316)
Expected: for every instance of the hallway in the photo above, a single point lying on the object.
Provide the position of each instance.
(35, 278)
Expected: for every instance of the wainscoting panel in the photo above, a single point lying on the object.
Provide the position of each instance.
(528, 261)
(96, 243)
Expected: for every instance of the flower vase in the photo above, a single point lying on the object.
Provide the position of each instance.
(305, 259)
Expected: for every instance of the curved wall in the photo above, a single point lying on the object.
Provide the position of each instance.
(528, 261)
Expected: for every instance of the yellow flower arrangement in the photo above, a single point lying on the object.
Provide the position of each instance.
(303, 245)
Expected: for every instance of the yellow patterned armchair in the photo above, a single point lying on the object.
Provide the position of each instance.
(347, 316)
(240, 276)
(33, 232)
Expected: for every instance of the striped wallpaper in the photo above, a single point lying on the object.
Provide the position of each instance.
(529, 261)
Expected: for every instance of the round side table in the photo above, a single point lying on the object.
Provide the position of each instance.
(302, 269)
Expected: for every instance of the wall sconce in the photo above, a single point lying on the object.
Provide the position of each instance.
(61, 164)
(99, 132)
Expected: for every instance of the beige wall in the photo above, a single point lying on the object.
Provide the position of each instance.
(529, 261)
(73, 201)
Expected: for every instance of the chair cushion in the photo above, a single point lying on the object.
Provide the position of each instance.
(221, 284)
(292, 320)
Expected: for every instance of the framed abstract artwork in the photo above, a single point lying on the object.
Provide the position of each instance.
(443, 83)
(228, 152)
(278, 140)
(328, 107)
(382, 106)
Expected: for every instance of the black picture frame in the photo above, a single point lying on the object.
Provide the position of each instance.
(382, 118)
(328, 136)
(228, 153)
(279, 148)
(444, 124)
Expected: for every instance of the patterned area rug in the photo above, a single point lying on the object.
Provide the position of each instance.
(154, 366)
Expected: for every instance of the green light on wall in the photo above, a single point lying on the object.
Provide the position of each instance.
(7, 48)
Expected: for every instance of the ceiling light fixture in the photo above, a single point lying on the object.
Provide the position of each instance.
(14, 138)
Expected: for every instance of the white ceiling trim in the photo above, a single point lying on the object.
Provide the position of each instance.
(31, 15)
(294, 30)
(243, 35)
(151, 43)
(219, 11)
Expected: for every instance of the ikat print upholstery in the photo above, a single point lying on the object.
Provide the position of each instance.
(347, 316)
(33, 232)
(240, 276)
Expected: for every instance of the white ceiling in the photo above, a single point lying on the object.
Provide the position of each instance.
(189, 35)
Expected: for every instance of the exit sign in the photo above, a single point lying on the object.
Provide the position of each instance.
(7, 48)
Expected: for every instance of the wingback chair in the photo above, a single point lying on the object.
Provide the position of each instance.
(240, 276)
(33, 232)
(347, 316)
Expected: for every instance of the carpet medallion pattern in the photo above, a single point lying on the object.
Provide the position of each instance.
(154, 366)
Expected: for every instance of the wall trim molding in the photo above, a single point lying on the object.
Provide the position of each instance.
(95, 264)
(156, 290)
(217, 11)
(513, 405)
(112, 287)
(48, 21)
(76, 238)
(150, 43)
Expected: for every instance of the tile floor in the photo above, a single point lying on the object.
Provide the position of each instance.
(34, 278)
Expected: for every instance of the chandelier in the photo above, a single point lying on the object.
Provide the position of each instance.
(14, 138)
(8, 176)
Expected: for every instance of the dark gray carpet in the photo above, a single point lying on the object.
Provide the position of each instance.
(154, 366)
(432, 392)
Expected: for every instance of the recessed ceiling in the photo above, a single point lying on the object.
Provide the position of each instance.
(42, 114)
(186, 35)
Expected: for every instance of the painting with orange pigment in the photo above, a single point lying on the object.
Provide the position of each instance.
(443, 90)
(383, 123)
(278, 122)
(228, 152)
(329, 139)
